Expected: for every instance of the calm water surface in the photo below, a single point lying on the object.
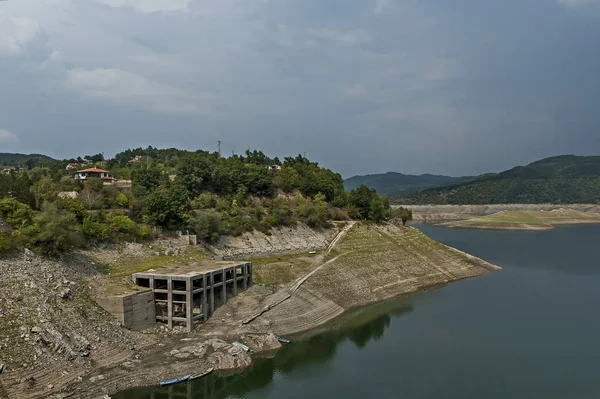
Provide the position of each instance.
(530, 331)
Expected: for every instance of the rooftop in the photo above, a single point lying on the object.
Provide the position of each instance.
(92, 170)
(191, 270)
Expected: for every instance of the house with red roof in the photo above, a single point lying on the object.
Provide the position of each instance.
(94, 173)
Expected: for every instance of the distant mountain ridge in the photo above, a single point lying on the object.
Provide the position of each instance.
(10, 159)
(561, 179)
(394, 184)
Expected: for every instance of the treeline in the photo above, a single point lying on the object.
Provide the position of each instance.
(205, 193)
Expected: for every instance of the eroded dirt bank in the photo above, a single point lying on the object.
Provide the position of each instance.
(362, 265)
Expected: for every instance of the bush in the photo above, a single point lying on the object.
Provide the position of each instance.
(5, 243)
(53, 232)
(95, 230)
(280, 213)
(15, 213)
(122, 224)
(205, 201)
(206, 225)
(314, 213)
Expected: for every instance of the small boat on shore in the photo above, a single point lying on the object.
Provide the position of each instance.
(200, 375)
(241, 346)
(174, 381)
(284, 340)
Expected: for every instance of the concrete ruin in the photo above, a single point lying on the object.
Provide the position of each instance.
(134, 311)
(186, 295)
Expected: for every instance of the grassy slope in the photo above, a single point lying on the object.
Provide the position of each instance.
(372, 263)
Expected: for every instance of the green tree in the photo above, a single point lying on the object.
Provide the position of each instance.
(15, 213)
(44, 190)
(206, 225)
(403, 214)
(376, 210)
(54, 231)
(167, 207)
(195, 173)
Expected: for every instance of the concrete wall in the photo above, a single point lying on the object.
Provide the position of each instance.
(135, 311)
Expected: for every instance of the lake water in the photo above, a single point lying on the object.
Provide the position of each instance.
(531, 330)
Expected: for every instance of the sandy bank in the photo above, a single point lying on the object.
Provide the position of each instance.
(527, 220)
(448, 213)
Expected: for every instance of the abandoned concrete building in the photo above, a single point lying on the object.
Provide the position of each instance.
(188, 296)
(179, 295)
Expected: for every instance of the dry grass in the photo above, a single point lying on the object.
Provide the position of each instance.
(280, 270)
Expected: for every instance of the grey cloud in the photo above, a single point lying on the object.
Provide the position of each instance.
(363, 86)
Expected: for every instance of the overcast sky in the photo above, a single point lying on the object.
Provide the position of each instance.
(362, 86)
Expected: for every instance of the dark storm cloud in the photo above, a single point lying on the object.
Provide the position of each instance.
(362, 86)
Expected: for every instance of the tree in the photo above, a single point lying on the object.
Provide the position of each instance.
(194, 173)
(91, 196)
(403, 214)
(44, 190)
(362, 198)
(54, 231)
(376, 210)
(206, 225)
(145, 180)
(167, 207)
(15, 213)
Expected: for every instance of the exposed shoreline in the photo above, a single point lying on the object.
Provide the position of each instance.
(398, 261)
(526, 220)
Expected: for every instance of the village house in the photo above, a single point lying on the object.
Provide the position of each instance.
(72, 165)
(94, 173)
(137, 159)
(274, 167)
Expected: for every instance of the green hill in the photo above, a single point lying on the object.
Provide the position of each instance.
(395, 184)
(24, 160)
(561, 180)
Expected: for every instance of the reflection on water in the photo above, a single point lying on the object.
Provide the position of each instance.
(359, 327)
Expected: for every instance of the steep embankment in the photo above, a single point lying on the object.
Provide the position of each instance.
(369, 264)
(284, 240)
(527, 220)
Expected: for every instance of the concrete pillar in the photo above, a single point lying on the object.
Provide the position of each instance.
(234, 280)
(189, 304)
(250, 273)
(170, 302)
(245, 274)
(204, 304)
(224, 289)
(212, 293)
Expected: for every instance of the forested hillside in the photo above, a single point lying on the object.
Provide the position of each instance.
(45, 208)
(561, 180)
(393, 184)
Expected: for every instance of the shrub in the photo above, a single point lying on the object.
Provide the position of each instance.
(122, 224)
(95, 230)
(15, 213)
(205, 201)
(206, 225)
(53, 231)
(5, 243)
